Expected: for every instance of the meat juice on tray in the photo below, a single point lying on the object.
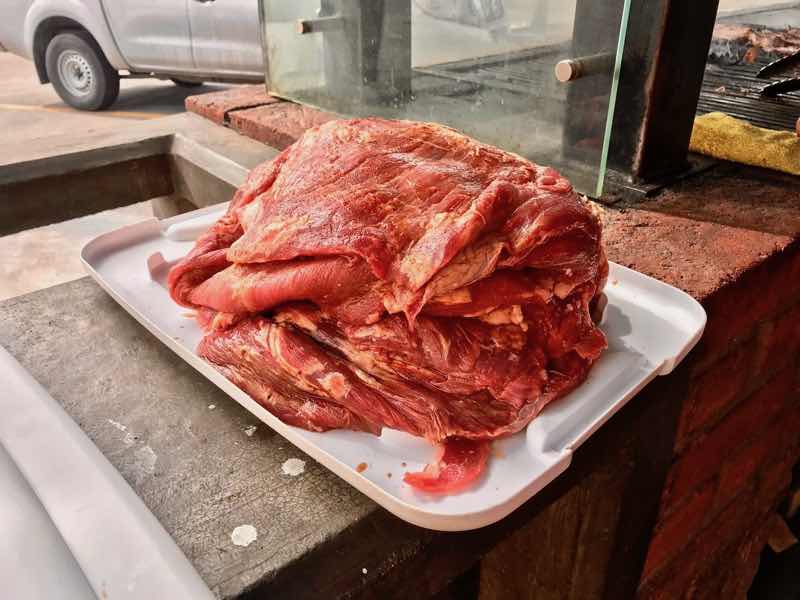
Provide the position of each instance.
(399, 274)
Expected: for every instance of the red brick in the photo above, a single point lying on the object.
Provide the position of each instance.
(217, 105)
(776, 472)
(743, 565)
(791, 433)
(763, 344)
(704, 458)
(778, 341)
(717, 387)
(732, 524)
(742, 467)
(691, 573)
(738, 199)
(751, 482)
(708, 585)
(678, 528)
(712, 393)
(278, 125)
(734, 310)
(774, 479)
(682, 437)
(701, 257)
(789, 421)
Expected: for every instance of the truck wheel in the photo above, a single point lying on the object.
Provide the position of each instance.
(80, 72)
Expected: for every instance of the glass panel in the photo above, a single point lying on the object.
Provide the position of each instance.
(485, 67)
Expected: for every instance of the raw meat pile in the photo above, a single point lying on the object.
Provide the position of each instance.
(398, 274)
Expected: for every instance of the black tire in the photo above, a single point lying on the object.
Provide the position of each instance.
(95, 83)
(186, 84)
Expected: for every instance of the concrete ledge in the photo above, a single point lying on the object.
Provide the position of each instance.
(57, 198)
(77, 177)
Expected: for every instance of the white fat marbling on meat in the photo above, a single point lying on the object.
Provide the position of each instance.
(375, 332)
(311, 366)
(296, 318)
(248, 214)
(335, 384)
(562, 289)
(508, 315)
(461, 296)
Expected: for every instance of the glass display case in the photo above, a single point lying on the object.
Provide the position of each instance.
(536, 77)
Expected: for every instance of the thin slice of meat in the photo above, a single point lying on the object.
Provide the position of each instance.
(300, 381)
(461, 463)
(209, 255)
(501, 288)
(462, 377)
(425, 209)
(452, 232)
(342, 284)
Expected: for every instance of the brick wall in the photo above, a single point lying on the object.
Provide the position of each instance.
(738, 438)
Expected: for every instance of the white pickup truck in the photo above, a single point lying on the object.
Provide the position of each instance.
(83, 47)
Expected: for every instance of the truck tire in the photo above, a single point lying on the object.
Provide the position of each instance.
(80, 72)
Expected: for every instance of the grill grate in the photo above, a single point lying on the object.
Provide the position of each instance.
(735, 89)
(526, 71)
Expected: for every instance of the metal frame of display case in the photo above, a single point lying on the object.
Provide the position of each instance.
(662, 74)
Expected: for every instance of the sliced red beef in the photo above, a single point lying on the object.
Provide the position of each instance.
(398, 274)
(461, 463)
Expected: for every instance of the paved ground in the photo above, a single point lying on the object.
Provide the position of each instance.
(38, 258)
(30, 110)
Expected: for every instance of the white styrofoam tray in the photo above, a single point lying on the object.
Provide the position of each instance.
(650, 327)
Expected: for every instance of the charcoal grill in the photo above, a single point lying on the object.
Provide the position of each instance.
(735, 90)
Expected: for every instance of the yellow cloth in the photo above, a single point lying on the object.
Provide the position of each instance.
(721, 136)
